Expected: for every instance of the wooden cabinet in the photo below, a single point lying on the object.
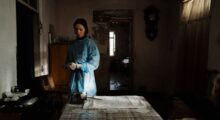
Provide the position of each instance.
(57, 57)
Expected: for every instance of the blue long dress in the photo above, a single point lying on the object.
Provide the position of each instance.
(85, 52)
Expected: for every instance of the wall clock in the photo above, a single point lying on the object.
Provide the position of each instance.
(151, 18)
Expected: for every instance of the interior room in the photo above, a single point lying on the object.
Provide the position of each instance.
(165, 53)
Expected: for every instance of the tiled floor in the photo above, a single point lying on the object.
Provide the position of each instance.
(119, 81)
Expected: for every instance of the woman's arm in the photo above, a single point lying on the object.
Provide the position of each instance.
(93, 58)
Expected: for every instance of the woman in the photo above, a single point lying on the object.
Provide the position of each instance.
(82, 59)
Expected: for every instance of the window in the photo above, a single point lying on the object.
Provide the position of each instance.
(33, 4)
(195, 9)
(112, 43)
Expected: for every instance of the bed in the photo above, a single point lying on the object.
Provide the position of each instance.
(111, 108)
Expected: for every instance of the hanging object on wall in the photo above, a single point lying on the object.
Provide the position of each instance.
(151, 18)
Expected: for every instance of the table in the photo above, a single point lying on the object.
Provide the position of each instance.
(111, 108)
(17, 110)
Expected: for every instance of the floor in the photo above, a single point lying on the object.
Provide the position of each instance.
(118, 82)
(119, 76)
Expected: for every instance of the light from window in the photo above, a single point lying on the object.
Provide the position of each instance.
(195, 9)
(112, 43)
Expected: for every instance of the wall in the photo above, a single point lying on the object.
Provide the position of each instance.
(152, 60)
(8, 40)
(173, 42)
(214, 44)
(8, 74)
(154, 66)
(47, 17)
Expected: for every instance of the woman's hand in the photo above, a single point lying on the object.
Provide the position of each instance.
(78, 66)
(74, 66)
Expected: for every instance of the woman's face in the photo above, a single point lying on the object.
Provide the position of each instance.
(79, 30)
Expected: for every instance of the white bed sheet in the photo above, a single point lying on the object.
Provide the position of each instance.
(111, 108)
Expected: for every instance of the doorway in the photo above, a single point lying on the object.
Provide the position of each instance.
(27, 44)
(117, 31)
(119, 53)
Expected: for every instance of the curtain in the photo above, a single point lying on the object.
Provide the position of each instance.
(192, 57)
(195, 10)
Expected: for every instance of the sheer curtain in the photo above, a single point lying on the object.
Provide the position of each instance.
(192, 52)
(195, 10)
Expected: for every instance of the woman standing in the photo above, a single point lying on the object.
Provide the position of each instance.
(82, 59)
